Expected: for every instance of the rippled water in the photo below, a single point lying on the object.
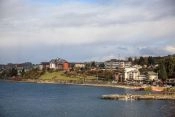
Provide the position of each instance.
(52, 100)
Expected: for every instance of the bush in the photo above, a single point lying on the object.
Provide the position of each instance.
(148, 88)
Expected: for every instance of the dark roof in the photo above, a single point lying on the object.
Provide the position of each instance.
(44, 63)
(58, 61)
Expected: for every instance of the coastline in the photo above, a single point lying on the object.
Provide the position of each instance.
(108, 85)
(79, 84)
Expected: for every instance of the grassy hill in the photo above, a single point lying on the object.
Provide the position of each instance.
(59, 76)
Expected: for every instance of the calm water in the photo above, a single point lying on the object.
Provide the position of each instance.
(49, 100)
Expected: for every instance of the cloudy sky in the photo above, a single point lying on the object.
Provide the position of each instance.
(85, 30)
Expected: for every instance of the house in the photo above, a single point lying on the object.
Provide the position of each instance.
(152, 75)
(79, 65)
(59, 64)
(44, 65)
(131, 73)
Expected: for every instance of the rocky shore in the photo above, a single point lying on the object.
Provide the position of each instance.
(138, 97)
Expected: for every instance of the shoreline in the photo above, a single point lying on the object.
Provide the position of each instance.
(78, 84)
(107, 85)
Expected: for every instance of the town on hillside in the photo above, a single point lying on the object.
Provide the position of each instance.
(133, 71)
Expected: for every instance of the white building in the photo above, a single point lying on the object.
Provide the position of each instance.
(152, 76)
(57, 63)
(79, 65)
(113, 64)
(131, 73)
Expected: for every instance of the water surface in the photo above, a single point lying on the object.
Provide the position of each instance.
(54, 100)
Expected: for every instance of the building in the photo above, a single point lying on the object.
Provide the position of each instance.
(59, 64)
(21, 67)
(79, 65)
(131, 73)
(142, 77)
(114, 64)
(44, 65)
(152, 75)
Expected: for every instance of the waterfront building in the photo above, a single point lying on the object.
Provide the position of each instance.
(59, 64)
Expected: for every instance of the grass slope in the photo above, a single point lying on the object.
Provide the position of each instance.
(56, 76)
(60, 76)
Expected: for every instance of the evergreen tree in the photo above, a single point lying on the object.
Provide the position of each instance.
(141, 61)
(13, 72)
(169, 65)
(22, 72)
(93, 64)
(130, 59)
(102, 65)
(151, 60)
(162, 71)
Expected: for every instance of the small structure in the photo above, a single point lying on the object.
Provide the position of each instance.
(152, 76)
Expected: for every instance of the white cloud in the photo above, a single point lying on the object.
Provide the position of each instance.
(74, 23)
(170, 49)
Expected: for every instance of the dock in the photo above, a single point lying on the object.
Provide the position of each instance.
(138, 97)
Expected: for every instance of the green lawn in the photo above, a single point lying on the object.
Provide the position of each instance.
(56, 76)
(62, 77)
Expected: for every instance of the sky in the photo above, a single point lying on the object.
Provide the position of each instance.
(85, 30)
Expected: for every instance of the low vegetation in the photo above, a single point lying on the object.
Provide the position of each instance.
(68, 77)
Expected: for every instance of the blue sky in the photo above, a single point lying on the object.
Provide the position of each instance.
(85, 30)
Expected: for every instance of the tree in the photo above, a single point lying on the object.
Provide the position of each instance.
(151, 60)
(102, 65)
(130, 59)
(136, 61)
(93, 64)
(169, 65)
(22, 72)
(141, 61)
(162, 71)
(13, 72)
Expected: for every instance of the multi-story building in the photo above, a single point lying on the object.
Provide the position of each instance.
(114, 64)
(133, 73)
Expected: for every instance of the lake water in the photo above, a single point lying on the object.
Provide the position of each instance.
(54, 100)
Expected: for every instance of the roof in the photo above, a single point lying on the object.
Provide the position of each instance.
(58, 61)
(44, 63)
(152, 73)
